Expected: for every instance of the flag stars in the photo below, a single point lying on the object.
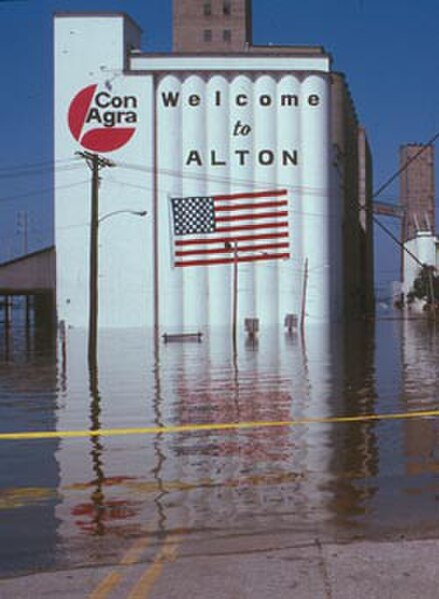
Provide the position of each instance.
(193, 215)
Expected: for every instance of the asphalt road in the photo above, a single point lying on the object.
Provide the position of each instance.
(247, 566)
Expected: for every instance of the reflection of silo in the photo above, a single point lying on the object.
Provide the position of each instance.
(262, 474)
(417, 190)
(355, 445)
(420, 355)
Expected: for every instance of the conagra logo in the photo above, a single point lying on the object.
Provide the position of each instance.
(98, 119)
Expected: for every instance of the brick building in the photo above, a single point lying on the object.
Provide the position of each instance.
(417, 190)
(212, 25)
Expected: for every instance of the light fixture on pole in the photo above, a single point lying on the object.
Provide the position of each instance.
(96, 163)
(123, 211)
(94, 277)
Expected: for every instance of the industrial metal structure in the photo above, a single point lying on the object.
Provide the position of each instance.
(417, 200)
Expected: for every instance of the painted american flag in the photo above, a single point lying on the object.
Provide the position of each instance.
(206, 229)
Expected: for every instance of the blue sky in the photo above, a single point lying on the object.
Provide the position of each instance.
(388, 51)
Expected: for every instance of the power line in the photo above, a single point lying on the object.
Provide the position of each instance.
(112, 180)
(39, 192)
(32, 169)
(389, 181)
(40, 171)
(35, 165)
(227, 180)
(392, 178)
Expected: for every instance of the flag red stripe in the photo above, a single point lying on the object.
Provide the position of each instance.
(251, 227)
(241, 248)
(231, 260)
(213, 240)
(234, 217)
(247, 196)
(251, 206)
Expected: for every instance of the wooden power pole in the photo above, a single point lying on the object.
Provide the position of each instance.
(95, 163)
(304, 292)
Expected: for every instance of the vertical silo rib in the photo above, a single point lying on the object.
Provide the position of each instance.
(170, 186)
(316, 195)
(218, 183)
(264, 98)
(242, 177)
(194, 185)
(288, 177)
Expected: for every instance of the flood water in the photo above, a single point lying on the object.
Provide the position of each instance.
(70, 502)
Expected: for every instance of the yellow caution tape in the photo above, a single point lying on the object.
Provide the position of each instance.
(231, 426)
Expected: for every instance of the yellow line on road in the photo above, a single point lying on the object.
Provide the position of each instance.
(113, 579)
(230, 426)
(104, 588)
(167, 554)
(132, 556)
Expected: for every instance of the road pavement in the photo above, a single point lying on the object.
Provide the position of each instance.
(249, 566)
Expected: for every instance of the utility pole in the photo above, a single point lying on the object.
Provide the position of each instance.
(432, 296)
(233, 246)
(304, 291)
(23, 221)
(235, 293)
(95, 163)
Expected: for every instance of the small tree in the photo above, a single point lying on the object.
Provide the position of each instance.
(425, 286)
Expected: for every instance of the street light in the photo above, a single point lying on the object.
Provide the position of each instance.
(93, 283)
(125, 211)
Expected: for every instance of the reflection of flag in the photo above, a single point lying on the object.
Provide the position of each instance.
(207, 228)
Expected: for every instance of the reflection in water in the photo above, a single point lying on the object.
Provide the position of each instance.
(355, 454)
(278, 471)
(158, 442)
(97, 497)
(29, 475)
(98, 516)
(90, 516)
(348, 478)
(420, 363)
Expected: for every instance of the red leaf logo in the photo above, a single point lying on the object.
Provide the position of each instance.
(100, 139)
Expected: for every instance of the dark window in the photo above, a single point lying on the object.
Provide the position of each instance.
(227, 7)
(207, 9)
(227, 35)
(207, 35)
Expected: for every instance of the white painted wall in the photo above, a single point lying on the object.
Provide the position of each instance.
(267, 290)
(91, 50)
(250, 62)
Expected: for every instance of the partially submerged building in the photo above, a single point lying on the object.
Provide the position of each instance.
(249, 161)
(417, 199)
